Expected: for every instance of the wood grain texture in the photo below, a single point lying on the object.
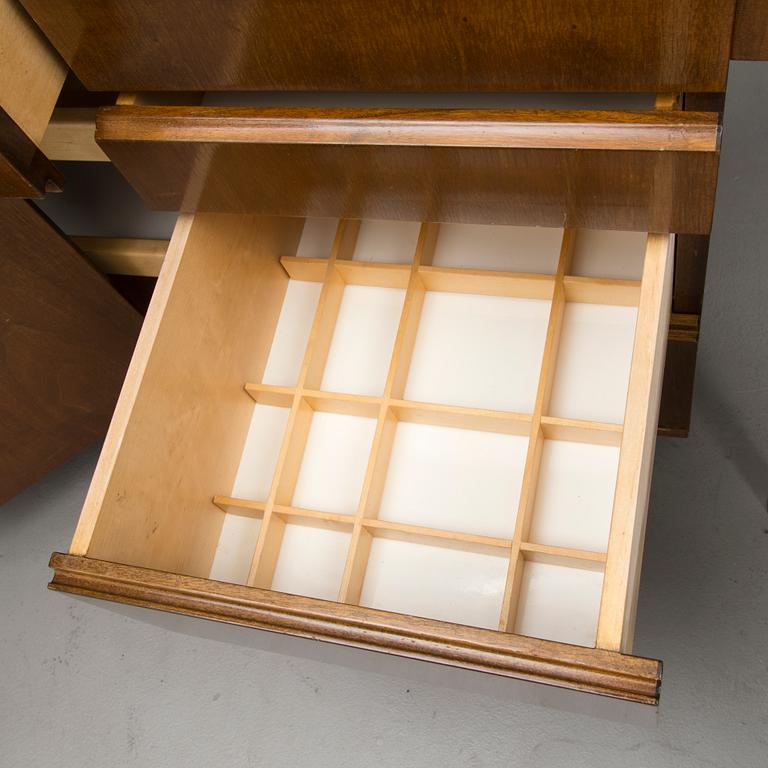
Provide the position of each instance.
(205, 159)
(515, 129)
(568, 666)
(182, 418)
(31, 74)
(65, 341)
(750, 30)
(444, 45)
(24, 170)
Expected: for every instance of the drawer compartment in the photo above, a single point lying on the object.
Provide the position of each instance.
(433, 440)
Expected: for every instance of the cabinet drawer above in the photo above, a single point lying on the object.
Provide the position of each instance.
(645, 171)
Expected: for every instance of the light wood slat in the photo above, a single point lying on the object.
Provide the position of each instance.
(374, 273)
(341, 402)
(546, 553)
(424, 532)
(242, 507)
(71, 135)
(304, 268)
(270, 394)
(461, 417)
(124, 255)
(485, 282)
(536, 440)
(289, 512)
(630, 506)
(599, 290)
(300, 418)
(578, 431)
(386, 423)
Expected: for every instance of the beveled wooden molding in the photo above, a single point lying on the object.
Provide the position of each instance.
(523, 129)
(585, 669)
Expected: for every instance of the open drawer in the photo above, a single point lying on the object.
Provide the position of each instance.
(433, 440)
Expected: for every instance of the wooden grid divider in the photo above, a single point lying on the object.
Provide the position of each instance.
(306, 397)
(300, 417)
(535, 442)
(386, 423)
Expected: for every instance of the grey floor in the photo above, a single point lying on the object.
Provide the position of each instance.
(83, 683)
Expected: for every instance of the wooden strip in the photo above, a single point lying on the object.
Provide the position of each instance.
(374, 273)
(424, 532)
(461, 417)
(298, 513)
(271, 394)
(242, 507)
(511, 129)
(71, 135)
(300, 418)
(341, 402)
(630, 506)
(386, 423)
(124, 255)
(487, 282)
(579, 431)
(536, 439)
(598, 290)
(569, 666)
(303, 268)
(560, 555)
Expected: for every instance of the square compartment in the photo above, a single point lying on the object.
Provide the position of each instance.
(259, 458)
(454, 479)
(574, 495)
(498, 247)
(454, 583)
(361, 349)
(478, 351)
(592, 368)
(317, 238)
(334, 463)
(289, 343)
(312, 558)
(560, 602)
(609, 253)
(391, 242)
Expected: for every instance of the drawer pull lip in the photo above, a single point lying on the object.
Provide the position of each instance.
(593, 670)
(512, 129)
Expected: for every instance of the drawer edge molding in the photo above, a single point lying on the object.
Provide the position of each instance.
(591, 670)
(511, 129)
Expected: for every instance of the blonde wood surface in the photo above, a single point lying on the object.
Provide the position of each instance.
(164, 455)
(486, 282)
(630, 506)
(303, 268)
(31, 73)
(124, 255)
(576, 430)
(592, 290)
(536, 440)
(70, 135)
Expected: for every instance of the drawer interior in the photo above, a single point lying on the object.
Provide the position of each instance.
(430, 419)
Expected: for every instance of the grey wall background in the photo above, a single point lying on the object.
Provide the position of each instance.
(83, 683)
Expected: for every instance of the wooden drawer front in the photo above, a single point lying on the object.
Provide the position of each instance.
(645, 171)
(429, 439)
(439, 45)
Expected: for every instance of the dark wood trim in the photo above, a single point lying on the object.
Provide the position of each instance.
(24, 170)
(585, 669)
(674, 130)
